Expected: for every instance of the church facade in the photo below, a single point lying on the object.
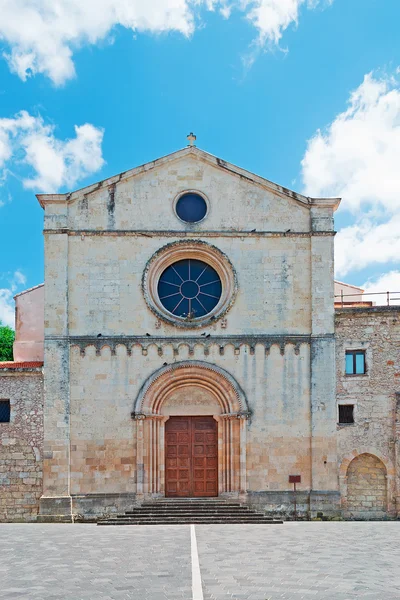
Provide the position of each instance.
(189, 351)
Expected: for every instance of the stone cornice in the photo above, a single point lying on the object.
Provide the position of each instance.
(45, 199)
(189, 341)
(332, 203)
(186, 234)
(360, 311)
(21, 371)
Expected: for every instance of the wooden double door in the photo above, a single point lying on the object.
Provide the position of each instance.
(191, 457)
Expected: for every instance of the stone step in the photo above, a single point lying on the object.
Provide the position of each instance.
(204, 499)
(192, 517)
(193, 503)
(200, 521)
(186, 515)
(188, 509)
(183, 512)
(189, 505)
(192, 507)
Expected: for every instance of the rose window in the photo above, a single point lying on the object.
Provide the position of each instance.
(189, 288)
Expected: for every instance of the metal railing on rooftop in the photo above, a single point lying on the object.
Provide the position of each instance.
(388, 295)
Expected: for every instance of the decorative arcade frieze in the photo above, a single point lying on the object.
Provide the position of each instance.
(239, 343)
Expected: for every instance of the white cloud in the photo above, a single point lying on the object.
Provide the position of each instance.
(7, 307)
(18, 279)
(272, 17)
(226, 11)
(356, 158)
(367, 243)
(41, 37)
(388, 282)
(7, 315)
(29, 142)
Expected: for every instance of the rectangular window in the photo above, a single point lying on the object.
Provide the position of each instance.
(355, 362)
(4, 411)
(346, 414)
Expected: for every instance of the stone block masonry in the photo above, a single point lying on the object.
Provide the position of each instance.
(107, 335)
(368, 449)
(118, 364)
(21, 445)
(366, 486)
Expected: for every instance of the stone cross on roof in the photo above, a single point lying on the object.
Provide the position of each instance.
(192, 138)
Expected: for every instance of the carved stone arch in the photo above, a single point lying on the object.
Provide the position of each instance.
(101, 347)
(230, 345)
(85, 348)
(120, 345)
(150, 420)
(348, 458)
(79, 348)
(347, 487)
(182, 347)
(194, 372)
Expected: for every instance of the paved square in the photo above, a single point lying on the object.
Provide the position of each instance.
(335, 561)
(86, 562)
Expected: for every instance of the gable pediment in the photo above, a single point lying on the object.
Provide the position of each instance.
(237, 197)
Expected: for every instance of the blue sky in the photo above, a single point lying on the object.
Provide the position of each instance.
(306, 94)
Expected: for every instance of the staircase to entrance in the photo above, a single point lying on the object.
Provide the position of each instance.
(189, 511)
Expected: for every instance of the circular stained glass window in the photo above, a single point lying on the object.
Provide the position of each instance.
(191, 208)
(189, 288)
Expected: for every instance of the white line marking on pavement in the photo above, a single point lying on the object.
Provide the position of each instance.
(197, 589)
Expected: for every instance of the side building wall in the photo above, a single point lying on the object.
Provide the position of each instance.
(21, 445)
(368, 450)
(29, 325)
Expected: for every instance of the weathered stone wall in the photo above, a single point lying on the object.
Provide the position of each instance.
(103, 390)
(103, 341)
(366, 487)
(21, 446)
(105, 285)
(377, 331)
(145, 201)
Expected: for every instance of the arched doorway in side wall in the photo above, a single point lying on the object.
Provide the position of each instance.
(191, 432)
(366, 487)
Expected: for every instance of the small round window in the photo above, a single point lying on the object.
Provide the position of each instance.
(191, 208)
(189, 288)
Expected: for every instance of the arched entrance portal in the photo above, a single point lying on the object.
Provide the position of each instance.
(196, 392)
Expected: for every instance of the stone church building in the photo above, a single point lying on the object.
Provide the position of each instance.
(186, 344)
